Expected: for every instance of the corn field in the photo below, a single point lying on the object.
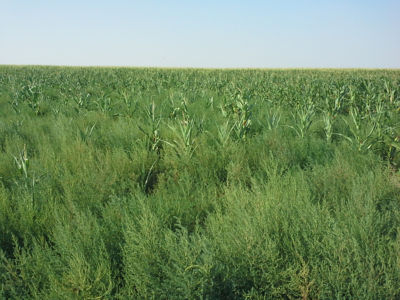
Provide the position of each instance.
(129, 183)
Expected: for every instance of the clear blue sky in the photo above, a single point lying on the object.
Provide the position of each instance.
(336, 33)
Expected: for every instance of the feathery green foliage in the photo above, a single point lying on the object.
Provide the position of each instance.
(120, 183)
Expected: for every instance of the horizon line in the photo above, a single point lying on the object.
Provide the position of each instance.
(198, 68)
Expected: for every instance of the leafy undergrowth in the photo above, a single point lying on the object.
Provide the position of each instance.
(199, 184)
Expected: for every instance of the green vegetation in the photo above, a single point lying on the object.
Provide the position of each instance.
(199, 184)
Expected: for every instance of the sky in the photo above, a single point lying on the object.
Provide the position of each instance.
(207, 34)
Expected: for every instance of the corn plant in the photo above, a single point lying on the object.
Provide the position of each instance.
(329, 115)
(14, 100)
(22, 162)
(273, 118)
(81, 100)
(103, 103)
(154, 144)
(376, 117)
(184, 142)
(242, 127)
(148, 180)
(328, 125)
(239, 111)
(179, 110)
(32, 95)
(130, 104)
(303, 118)
(393, 152)
(153, 133)
(87, 132)
(224, 133)
(362, 132)
(210, 103)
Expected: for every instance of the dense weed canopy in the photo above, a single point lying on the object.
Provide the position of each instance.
(199, 184)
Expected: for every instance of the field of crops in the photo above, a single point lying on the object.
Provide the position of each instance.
(199, 184)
